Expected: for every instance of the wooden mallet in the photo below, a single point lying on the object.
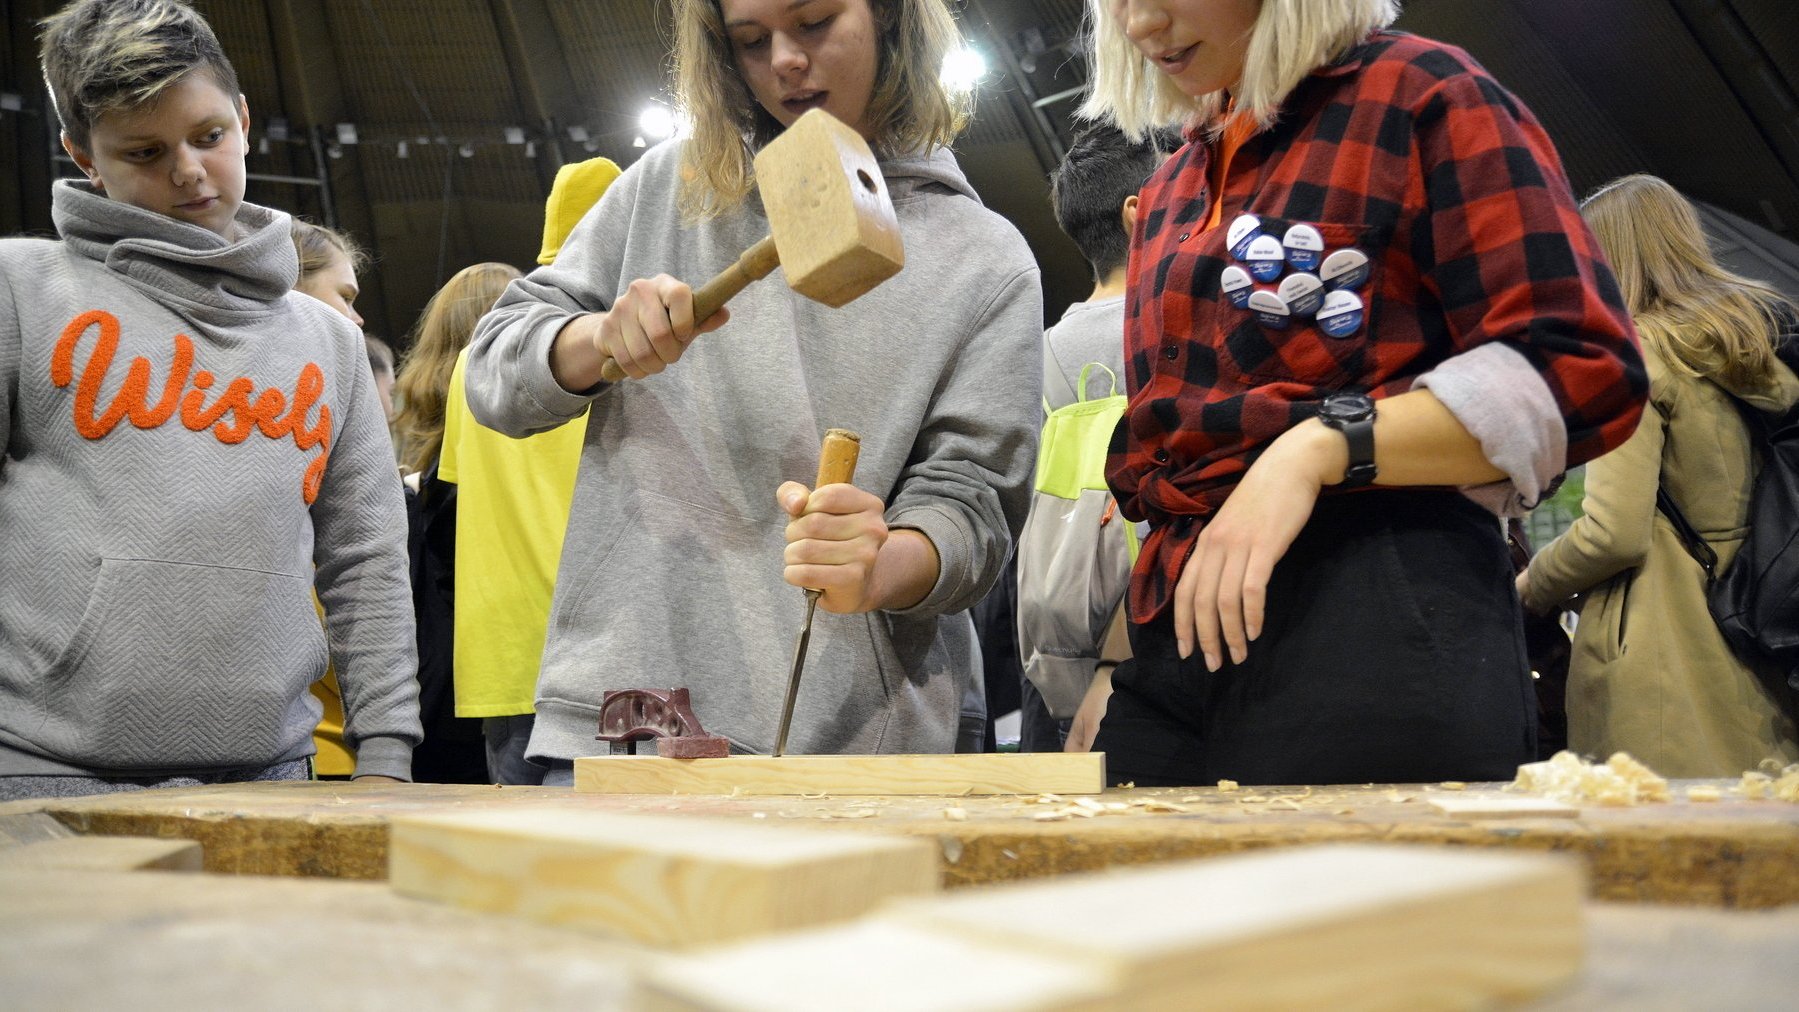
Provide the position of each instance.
(831, 223)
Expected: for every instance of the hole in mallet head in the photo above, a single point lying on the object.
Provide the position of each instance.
(868, 182)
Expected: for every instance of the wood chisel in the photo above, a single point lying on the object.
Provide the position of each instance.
(836, 466)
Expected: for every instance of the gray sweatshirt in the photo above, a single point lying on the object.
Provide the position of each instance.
(183, 442)
(671, 570)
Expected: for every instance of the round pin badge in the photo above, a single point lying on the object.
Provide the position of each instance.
(1344, 269)
(1265, 258)
(1236, 284)
(1245, 230)
(1269, 310)
(1341, 315)
(1305, 247)
(1303, 293)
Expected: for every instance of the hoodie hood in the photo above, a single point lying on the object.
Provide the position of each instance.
(193, 271)
(908, 174)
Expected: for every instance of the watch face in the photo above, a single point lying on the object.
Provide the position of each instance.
(1346, 407)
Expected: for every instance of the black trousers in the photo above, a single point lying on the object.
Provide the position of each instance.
(1392, 652)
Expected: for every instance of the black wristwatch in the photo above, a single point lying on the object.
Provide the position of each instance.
(1353, 415)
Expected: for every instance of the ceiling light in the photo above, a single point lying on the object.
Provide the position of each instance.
(963, 69)
(657, 122)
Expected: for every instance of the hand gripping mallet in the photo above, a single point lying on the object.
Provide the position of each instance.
(831, 223)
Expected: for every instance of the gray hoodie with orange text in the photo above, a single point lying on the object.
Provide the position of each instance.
(184, 441)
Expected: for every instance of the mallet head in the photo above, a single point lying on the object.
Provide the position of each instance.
(828, 210)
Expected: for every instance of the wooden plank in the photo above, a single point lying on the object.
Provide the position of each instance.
(1734, 853)
(30, 827)
(653, 879)
(871, 966)
(1327, 927)
(102, 853)
(1503, 808)
(125, 940)
(955, 775)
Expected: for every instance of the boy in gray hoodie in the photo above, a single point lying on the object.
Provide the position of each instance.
(685, 552)
(181, 443)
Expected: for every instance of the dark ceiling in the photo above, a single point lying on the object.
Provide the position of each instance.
(461, 110)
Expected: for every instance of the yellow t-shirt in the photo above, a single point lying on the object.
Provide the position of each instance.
(512, 506)
(334, 758)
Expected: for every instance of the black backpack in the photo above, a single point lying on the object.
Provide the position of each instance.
(1755, 601)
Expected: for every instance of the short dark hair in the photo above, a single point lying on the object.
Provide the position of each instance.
(102, 56)
(1087, 191)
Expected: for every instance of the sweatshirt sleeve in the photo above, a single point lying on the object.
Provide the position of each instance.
(1513, 264)
(968, 488)
(359, 524)
(508, 381)
(1617, 514)
(10, 355)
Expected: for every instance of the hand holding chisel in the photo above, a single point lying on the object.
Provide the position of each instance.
(836, 465)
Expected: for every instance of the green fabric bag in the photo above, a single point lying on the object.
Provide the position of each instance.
(1076, 550)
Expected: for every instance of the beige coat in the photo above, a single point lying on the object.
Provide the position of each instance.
(1651, 674)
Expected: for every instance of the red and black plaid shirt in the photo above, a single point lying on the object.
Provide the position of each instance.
(1408, 151)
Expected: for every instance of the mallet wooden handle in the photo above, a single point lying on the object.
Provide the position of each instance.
(754, 264)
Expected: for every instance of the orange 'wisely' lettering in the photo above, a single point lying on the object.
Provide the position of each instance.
(248, 409)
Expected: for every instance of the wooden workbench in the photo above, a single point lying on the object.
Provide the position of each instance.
(1731, 853)
(174, 942)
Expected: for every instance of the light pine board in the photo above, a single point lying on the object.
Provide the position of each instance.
(1343, 927)
(660, 880)
(1503, 808)
(832, 775)
(102, 853)
(872, 966)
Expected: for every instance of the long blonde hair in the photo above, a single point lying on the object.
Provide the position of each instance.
(1709, 321)
(442, 332)
(1290, 39)
(910, 109)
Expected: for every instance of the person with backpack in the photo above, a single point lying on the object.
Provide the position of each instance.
(1651, 673)
(1072, 575)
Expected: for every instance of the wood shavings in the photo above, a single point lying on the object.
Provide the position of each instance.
(1285, 805)
(1226, 786)
(1704, 792)
(1189, 799)
(956, 814)
(952, 848)
(1088, 804)
(1252, 799)
(815, 797)
(1765, 785)
(758, 815)
(1398, 798)
(1047, 799)
(854, 813)
(1055, 815)
(1127, 785)
(1787, 787)
(736, 792)
(1565, 777)
(1344, 811)
(1162, 806)
(1453, 785)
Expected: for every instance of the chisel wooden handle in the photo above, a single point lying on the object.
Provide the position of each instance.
(837, 459)
(836, 466)
(709, 298)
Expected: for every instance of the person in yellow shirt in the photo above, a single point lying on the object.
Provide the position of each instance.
(512, 509)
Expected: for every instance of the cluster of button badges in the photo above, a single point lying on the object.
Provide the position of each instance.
(1317, 286)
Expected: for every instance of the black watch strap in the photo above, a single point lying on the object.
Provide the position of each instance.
(1361, 470)
(1353, 415)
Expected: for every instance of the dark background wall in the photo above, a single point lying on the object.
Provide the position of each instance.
(488, 97)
